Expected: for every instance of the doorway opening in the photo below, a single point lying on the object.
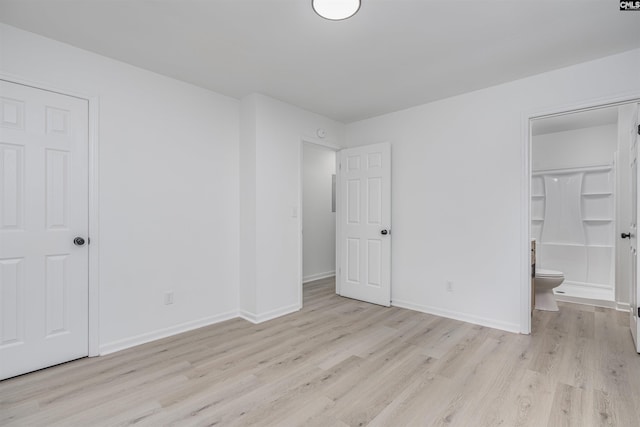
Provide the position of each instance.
(318, 215)
(580, 182)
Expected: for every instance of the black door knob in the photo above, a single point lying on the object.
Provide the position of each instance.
(626, 235)
(384, 232)
(78, 241)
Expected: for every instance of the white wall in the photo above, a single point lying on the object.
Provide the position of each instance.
(457, 183)
(318, 222)
(247, 290)
(277, 267)
(170, 204)
(168, 189)
(574, 148)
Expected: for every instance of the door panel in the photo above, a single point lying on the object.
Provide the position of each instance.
(635, 293)
(43, 206)
(364, 264)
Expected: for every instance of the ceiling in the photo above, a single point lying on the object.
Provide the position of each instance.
(393, 54)
(578, 120)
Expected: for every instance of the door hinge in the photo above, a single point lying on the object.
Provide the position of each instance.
(339, 166)
(638, 311)
(638, 129)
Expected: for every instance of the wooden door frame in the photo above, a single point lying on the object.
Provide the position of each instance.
(330, 145)
(525, 202)
(93, 208)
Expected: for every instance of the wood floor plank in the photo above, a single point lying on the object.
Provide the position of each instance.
(342, 362)
(569, 406)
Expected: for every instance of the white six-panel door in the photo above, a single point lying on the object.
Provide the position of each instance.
(43, 207)
(364, 223)
(635, 270)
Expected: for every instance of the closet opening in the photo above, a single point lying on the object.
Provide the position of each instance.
(319, 206)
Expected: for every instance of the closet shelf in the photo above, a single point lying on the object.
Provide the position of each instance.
(597, 219)
(537, 196)
(540, 242)
(600, 194)
(559, 243)
(537, 219)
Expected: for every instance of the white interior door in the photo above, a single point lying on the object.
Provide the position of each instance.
(43, 208)
(635, 291)
(364, 221)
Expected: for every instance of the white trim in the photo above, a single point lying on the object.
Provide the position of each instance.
(338, 265)
(593, 104)
(525, 225)
(300, 226)
(318, 276)
(623, 306)
(166, 332)
(94, 187)
(456, 315)
(42, 85)
(248, 316)
(322, 142)
(525, 228)
(269, 315)
(94, 227)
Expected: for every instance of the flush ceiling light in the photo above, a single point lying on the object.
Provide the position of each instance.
(336, 10)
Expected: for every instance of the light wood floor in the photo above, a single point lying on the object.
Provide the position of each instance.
(343, 362)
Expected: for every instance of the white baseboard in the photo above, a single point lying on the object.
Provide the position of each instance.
(469, 318)
(248, 316)
(623, 306)
(318, 276)
(263, 317)
(166, 332)
(123, 344)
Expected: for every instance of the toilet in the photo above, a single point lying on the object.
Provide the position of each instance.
(545, 282)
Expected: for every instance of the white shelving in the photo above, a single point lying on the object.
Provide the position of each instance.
(573, 221)
(596, 194)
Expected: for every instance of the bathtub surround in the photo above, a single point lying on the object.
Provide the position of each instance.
(577, 200)
(572, 220)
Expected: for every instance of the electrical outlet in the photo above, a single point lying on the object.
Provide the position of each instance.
(168, 298)
(449, 285)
